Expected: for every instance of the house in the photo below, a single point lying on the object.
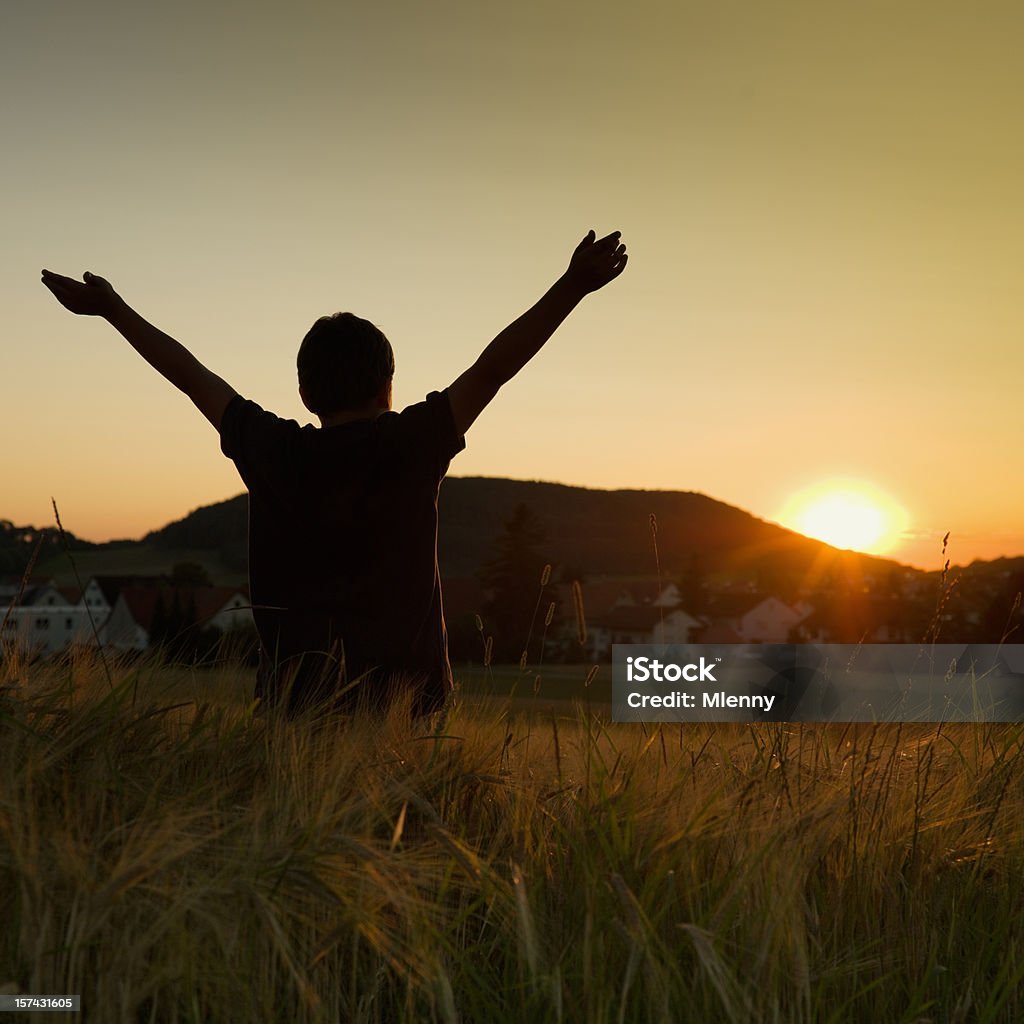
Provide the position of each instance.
(112, 610)
(101, 592)
(771, 621)
(627, 621)
(46, 594)
(131, 618)
(15, 589)
(48, 629)
(130, 626)
(41, 618)
(738, 617)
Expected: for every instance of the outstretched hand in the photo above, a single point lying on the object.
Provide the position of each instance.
(595, 263)
(91, 297)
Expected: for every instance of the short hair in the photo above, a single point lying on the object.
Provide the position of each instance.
(343, 363)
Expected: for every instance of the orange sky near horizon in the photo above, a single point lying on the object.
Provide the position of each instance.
(822, 206)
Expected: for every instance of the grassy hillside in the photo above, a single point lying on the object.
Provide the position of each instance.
(135, 560)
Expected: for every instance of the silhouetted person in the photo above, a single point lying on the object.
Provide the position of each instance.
(343, 518)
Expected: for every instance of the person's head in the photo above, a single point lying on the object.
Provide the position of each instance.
(345, 366)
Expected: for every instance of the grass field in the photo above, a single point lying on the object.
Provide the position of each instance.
(171, 857)
(536, 686)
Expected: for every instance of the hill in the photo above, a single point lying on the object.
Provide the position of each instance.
(19, 544)
(609, 533)
(137, 558)
(588, 532)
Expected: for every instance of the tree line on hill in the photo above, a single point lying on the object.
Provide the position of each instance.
(22, 545)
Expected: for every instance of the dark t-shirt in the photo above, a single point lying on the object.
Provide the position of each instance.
(343, 570)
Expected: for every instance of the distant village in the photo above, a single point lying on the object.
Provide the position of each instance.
(575, 622)
(122, 613)
(723, 576)
(616, 611)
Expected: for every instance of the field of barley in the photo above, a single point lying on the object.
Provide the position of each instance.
(169, 856)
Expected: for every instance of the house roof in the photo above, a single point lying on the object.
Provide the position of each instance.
(111, 586)
(12, 586)
(141, 601)
(779, 604)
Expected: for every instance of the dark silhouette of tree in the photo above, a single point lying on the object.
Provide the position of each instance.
(174, 625)
(693, 589)
(190, 574)
(1003, 620)
(18, 544)
(512, 583)
(159, 626)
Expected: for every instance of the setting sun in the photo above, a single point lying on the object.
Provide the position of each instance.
(846, 514)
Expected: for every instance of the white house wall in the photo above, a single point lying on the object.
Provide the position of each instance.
(48, 629)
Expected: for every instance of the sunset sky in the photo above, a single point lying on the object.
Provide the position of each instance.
(822, 201)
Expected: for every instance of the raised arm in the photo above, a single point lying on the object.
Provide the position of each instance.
(593, 265)
(95, 297)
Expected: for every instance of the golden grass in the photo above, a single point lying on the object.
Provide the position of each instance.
(171, 857)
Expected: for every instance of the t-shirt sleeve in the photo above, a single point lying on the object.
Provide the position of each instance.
(260, 444)
(428, 428)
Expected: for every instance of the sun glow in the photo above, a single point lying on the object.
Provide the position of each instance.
(847, 514)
